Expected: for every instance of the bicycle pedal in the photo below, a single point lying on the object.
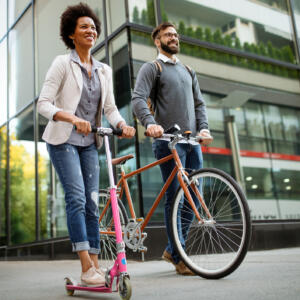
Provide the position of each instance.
(140, 219)
(144, 235)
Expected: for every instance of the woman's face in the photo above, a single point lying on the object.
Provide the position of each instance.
(85, 34)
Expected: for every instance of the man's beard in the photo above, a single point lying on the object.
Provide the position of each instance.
(167, 49)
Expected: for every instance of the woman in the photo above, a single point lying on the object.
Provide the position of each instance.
(76, 90)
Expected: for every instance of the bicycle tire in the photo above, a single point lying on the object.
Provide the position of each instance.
(215, 248)
(108, 250)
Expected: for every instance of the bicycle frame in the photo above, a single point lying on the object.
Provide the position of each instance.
(182, 178)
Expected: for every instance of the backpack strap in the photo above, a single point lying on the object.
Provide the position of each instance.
(189, 70)
(151, 101)
(191, 73)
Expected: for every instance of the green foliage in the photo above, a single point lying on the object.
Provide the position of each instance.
(181, 28)
(190, 31)
(208, 35)
(237, 44)
(283, 54)
(144, 17)
(150, 13)
(217, 37)
(199, 33)
(135, 15)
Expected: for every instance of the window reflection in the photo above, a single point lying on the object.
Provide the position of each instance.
(3, 17)
(3, 167)
(115, 14)
(121, 80)
(254, 119)
(258, 183)
(214, 113)
(51, 195)
(49, 45)
(3, 81)
(296, 6)
(22, 178)
(249, 26)
(142, 12)
(15, 8)
(20, 62)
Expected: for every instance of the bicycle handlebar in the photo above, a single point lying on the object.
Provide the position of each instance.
(182, 137)
(106, 131)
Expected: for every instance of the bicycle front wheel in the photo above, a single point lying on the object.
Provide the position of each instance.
(217, 244)
(108, 248)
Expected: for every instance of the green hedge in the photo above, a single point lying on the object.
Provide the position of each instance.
(285, 53)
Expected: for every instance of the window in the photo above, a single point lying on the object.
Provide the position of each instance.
(22, 178)
(20, 62)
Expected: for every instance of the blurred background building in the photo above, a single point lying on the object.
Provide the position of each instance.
(246, 56)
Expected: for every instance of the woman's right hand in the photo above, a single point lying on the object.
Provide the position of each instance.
(82, 126)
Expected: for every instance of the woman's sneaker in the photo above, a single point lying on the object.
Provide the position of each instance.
(92, 278)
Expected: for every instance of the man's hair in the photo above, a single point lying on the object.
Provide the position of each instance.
(68, 21)
(160, 27)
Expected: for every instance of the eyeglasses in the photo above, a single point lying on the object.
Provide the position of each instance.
(170, 35)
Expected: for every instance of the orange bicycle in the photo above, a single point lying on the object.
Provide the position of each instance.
(216, 241)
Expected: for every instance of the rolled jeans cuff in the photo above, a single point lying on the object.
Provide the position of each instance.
(94, 251)
(81, 246)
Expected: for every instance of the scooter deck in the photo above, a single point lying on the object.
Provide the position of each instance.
(79, 287)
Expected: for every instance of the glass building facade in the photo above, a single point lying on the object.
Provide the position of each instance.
(246, 56)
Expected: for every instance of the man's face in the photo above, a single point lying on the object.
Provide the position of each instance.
(169, 41)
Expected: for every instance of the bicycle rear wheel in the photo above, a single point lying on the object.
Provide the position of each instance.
(215, 247)
(108, 249)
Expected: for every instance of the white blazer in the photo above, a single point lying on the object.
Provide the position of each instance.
(61, 91)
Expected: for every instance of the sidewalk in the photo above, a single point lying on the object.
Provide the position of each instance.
(263, 275)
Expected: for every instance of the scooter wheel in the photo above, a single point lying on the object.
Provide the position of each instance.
(69, 282)
(70, 292)
(125, 289)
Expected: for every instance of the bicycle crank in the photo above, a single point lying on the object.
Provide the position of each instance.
(134, 237)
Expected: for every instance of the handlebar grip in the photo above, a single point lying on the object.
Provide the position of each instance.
(117, 131)
(94, 129)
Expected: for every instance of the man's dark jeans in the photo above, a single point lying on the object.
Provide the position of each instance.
(191, 159)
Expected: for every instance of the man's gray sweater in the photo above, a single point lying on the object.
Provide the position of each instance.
(179, 100)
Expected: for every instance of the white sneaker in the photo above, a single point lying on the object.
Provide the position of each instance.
(101, 272)
(92, 278)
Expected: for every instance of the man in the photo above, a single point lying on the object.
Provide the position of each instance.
(178, 101)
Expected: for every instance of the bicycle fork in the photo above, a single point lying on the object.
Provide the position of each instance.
(120, 266)
(185, 182)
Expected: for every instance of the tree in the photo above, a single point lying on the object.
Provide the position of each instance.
(199, 33)
(217, 37)
(135, 15)
(181, 28)
(208, 35)
(151, 13)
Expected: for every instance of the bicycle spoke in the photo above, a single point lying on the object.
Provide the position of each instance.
(214, 246)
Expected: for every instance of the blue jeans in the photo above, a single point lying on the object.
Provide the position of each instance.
(78, 170)
(191, 159)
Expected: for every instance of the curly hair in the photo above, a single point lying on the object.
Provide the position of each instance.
(68, 21)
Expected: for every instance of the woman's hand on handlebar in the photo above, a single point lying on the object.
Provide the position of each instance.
(154, 130)
(82, 126)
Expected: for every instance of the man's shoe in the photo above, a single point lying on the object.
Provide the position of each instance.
(92, 278)
(168, 258)
(182, 269)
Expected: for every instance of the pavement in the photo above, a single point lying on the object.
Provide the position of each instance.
(267, 275)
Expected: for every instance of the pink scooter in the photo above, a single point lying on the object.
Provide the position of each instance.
(116, 278)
